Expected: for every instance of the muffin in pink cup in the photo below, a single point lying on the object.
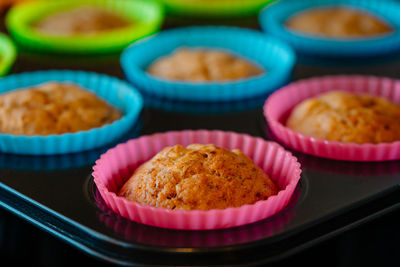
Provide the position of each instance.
(343, 117)
(117, 165)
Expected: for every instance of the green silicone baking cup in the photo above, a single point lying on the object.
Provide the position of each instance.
(215, 8)
(7, 54)
(146, 16)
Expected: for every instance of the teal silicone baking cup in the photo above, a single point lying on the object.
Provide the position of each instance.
(273, 55)
(62, 161)
(272, 20)
(8, 54)
(146, 17)
(114, 91)
(215, 8)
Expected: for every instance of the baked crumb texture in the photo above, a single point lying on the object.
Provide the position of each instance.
(82, 20)
(338, 22)
(346, 117)
(198, 177)
(202, 65)
(53, 108)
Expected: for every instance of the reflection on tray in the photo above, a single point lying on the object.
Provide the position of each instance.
(107, 63)
(348, 63)
(136, 232)
(58, 162)
(203, 107)
(361, 169)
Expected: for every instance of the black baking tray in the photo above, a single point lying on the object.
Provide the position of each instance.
(57, 193)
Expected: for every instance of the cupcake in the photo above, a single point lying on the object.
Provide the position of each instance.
(198, 177)
(351, 118)
(345, 28)
(338, 22)
(196, 64)
(203, 66)
(53, 108)
(58, 112)
(81, 20)
(83, 27)
(196, 180)
(347, 117)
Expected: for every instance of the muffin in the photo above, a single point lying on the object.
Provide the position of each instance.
(53, 108)
(347, 117)
(338, 22)
(81, 20)
(198, 177)
(202, 65)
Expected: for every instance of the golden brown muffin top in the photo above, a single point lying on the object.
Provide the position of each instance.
(82, 20)
(338, 22)
(198, 177)
(346, 117)
(202, 65)
(53, 108)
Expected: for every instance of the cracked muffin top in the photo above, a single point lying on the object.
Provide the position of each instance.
(53, 108)
(338, 22)
(82, 20)
(347, 117)
(198, 177)
(202, 65)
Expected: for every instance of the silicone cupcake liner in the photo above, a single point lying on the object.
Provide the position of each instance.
(7, 54)
(62, 161)
(114, 91)
(116, 165)
(279, 105)
(273, 17)
(215, 8)
(143, 233)
(271, 54)
(146, 17)
(149, 235)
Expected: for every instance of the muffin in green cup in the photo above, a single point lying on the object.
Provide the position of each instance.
(215, 8)
(8, 54)
(137, 19)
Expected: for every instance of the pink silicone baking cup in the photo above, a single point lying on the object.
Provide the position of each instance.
(116, 165)
(279, 105)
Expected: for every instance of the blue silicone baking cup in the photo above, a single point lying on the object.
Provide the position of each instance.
(116, 92)
(276, 57)
(63, 161)
(273, 17)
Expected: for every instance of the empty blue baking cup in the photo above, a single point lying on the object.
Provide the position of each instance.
(276, 57)
(273, 18)
(114, 91)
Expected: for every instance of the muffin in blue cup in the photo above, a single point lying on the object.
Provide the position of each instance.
(273, 57)
(28, 96)
(280, 20)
